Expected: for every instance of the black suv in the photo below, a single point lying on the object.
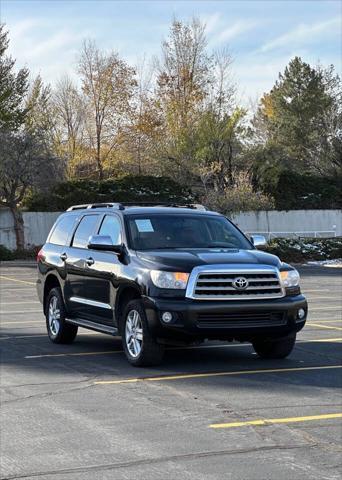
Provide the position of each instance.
(161, 275)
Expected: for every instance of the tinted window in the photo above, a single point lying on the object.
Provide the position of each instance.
(62, 230)
(184, 231)
(111, 226)
(84, 231)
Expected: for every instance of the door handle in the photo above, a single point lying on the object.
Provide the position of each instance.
(90, 261)
(63, 256)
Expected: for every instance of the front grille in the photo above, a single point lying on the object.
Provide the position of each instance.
(222, 285)
(241, 319)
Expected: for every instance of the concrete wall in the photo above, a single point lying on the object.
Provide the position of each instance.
(36, 224)
(272, 223)
(285, 224)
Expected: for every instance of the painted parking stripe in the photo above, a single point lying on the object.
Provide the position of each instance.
(272, 421)
(17, 280)
(107, 352)
(320, 325)
(21, 303)
(194, 347)
(214, 374)
(316, 309)
(44, 335)
(22, 322)
(19, 312)
(323, 321)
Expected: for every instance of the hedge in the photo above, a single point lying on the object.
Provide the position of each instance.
(303, 192)
(305, 249)
(127, 189)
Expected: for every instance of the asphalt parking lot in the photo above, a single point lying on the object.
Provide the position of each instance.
(215, 411)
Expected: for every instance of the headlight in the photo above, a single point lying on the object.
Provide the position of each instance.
(290, 278)
(176, 280)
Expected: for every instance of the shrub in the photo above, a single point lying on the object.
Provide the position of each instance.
(127, 189)
(5, 254)
(240, 198)
(27, 253)
(298, 250)
(294, 191)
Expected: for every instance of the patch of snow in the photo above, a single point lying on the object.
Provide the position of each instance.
(337, 262)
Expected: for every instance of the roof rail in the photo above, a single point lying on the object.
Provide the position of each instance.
(195, 206)
(87, 206)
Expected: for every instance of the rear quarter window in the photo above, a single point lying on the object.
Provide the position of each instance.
(62, 230)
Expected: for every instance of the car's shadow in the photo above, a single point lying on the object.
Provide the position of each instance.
(100, 357)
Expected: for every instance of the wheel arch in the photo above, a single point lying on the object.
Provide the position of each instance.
(124, 296)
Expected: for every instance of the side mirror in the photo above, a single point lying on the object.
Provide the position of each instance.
(259, 241)
(104, 243)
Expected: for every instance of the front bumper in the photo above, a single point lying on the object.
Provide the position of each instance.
(225, 319)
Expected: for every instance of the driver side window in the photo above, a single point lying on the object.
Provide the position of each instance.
(111, 226)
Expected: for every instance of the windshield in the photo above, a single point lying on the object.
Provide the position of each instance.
(161, 231)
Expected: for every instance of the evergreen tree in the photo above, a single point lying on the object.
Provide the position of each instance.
(13, 88)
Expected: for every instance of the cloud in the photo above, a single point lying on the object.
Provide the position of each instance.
(211, 22)
(55, 43)
(303, 33)
(234, 30)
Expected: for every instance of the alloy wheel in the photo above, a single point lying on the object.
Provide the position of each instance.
(54, 316)
(134, 333)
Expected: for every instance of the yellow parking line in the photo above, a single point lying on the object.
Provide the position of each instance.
(212, 374)
(321, 340)
(271, 421)
(320, 325)
(121, 351)
(25, 322)
(324, 321)
(79, 354)
(316, 309)
(74, 354)
(21, 303)
(315, 291)
(16, 280)
(311, 298)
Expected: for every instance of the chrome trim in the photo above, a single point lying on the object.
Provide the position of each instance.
(238, 269)
(92, 303)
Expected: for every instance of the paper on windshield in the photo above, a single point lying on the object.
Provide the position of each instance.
(144, 225)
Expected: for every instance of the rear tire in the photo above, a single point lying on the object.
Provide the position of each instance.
(58, 329)
(140, 347)
(275, 348)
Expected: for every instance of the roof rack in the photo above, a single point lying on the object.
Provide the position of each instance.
(121, 206)
(87, 206)
(194, 206)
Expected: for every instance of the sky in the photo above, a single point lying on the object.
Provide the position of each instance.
(262, 36)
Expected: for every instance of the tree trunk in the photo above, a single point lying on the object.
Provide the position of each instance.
(18, 227)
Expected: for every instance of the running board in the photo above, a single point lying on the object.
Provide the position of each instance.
(98, 327)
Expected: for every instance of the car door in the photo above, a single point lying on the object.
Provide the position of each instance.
(87, 292)
(107, 267)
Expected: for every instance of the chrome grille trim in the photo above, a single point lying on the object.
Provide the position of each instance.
(264, 282)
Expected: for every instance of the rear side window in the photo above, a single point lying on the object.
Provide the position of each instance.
(84, 230)
(111, 226)
(62, 230)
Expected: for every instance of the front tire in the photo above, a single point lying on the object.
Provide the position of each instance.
(58, 329)
(275, 348)
(140, 347)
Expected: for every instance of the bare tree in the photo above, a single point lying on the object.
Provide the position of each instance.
(145, 121)
(25, 163)
(69, 109)
(108, 84)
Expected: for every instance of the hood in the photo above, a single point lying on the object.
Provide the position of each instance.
(185, 260)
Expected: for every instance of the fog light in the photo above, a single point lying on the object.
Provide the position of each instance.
(167, 317)
(301, 313)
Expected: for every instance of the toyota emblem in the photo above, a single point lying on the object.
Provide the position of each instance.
(240, 283)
